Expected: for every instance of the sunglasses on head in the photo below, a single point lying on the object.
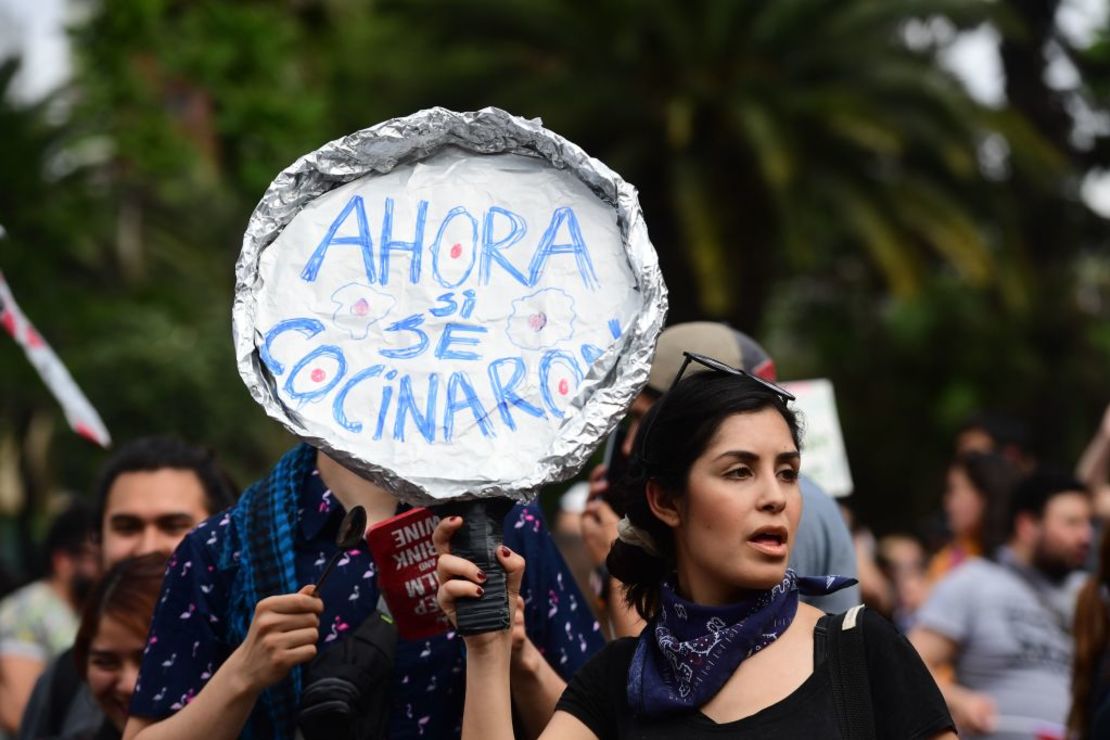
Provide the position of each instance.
(720, 367)
(715, 366)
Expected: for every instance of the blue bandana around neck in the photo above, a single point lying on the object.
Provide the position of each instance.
(687, 651)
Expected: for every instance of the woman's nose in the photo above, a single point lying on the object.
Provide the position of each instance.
(125, 684)
(773, 496)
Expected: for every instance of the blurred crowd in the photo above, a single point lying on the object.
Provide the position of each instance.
(1004, 595)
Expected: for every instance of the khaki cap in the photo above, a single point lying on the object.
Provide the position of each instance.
(711, 338)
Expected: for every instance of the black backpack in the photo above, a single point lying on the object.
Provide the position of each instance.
(838, 639)
(346, 693)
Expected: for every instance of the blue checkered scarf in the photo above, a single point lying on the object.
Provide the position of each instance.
(266, 519)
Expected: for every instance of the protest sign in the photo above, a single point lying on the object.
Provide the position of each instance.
(80, 414)
(824, 458)
(453, 305)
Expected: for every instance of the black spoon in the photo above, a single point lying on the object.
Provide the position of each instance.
(352, 530)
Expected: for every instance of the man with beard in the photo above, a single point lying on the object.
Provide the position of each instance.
(39, 620)
(1005, 625)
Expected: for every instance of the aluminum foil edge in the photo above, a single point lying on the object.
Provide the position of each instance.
(381, 148)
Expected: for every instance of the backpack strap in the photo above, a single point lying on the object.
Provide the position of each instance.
(839, 639)
(820, 640)
(65, 682)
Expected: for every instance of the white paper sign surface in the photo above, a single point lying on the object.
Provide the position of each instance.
(441, 317)
(824, 458)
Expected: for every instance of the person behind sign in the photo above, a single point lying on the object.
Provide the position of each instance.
(237, 620)
(713, 506)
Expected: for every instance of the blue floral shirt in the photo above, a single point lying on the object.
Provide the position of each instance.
(187, 641)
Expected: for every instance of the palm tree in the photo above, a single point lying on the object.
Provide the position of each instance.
(764, 137)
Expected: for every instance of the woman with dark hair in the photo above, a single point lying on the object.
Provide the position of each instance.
(1090, 687)
(113, 634)
(976, 502)
(713, 506)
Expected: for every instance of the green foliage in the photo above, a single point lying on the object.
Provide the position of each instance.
(208, 92)
(769, 137)
(909, 372)
(803, 169)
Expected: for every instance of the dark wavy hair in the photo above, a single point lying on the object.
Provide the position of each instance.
(994, 478)
(1032, 493)
(1092, 639)
(71, 531)
(673, 434)
(150, 454)
(128, 592)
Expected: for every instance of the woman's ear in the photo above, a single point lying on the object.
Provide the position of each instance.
(662, 504)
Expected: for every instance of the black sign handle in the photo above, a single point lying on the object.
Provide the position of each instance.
(477, 541)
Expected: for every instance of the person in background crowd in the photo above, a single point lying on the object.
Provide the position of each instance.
(1094, 470)
(571, 505)
(976, 501)
(874, 589)
(1005, 625)
(824, 544)
(1089, 717)
(8, 582)
(992, 431)
(901, 557)
(238, 618)
(712, 508)
(39, 620)
(112, 635)
(150, 493)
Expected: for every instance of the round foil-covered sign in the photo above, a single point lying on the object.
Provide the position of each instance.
(453, 305)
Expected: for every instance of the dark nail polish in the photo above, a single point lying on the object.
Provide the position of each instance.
(481, 591)
(505, 552)
(481, 576)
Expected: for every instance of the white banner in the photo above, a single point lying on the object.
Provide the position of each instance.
(79, 413)
(824, 458)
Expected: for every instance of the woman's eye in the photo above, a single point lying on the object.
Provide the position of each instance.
(105, 663)
(741, 472)
(789, 474)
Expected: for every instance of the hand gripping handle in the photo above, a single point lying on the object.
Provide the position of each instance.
(477, 541)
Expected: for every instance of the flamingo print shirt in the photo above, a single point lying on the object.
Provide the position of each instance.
(187, 644)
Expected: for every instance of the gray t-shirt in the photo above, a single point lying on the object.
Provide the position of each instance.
(81, 718)
(824, 548)
(1012, 642)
